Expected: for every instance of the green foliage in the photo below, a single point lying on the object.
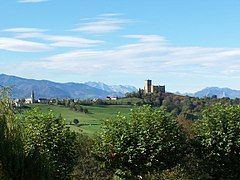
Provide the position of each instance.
(189, 107)
(48, 140)
(34, 145)
(11, 147)
(127, 101)
(76, 121)
(148, 140)
(88, 167)
(138, 94)
(69, 103)
(218, 138)
(149, 143)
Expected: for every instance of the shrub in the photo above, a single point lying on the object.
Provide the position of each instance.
(218, 141)
(146, 141)
(88, 167)
(76, 121)
(50, 142)
(11, 147)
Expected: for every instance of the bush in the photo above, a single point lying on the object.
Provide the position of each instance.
(87, 167)
(50, 142)
(76, 122)
(146, 141)
(12, 155)
(218, 141)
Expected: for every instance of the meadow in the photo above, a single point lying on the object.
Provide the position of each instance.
(88, 123)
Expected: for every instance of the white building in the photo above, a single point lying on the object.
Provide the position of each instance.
(112, 98)
(17, 103)
(42, 100)
(30, 100)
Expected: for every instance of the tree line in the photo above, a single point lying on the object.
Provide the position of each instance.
(69, 103)
(185, 106)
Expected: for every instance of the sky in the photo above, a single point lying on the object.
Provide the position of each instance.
(184, 44)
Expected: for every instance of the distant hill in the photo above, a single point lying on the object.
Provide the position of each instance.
(220, 92)
(21, 88)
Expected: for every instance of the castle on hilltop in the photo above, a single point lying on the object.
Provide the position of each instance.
(149, 88)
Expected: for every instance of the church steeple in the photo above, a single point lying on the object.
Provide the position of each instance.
(33, 97)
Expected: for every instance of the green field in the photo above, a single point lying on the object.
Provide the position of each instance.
(88, 123)
(126, 101)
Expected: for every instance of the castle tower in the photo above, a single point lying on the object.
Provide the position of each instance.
(147, 86)
(32, 97)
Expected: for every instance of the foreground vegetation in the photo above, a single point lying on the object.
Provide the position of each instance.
(35, 145)
(148, 143)
(152, 144)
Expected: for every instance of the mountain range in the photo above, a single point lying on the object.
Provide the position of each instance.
(212, 91)
(220, 92)
(22, 88)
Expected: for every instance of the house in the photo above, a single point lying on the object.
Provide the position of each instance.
(95, 99)
(17, 103)
(43, 100)
(112, 98)
(29, 101)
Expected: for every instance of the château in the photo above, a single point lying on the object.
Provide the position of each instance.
(149, 88)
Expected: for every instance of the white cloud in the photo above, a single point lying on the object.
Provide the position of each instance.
(70, 41)
(104, 23)
(146, 54)
(150, 54)
(110, 15)
(17, 45)
(53, 40)
(32, 1)
(24, 30)
(147, 38)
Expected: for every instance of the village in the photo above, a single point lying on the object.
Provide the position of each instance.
(147, 89)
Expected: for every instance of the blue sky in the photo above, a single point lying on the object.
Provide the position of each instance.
(186, 45)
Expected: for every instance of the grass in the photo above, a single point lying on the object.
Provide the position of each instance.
(88, 123)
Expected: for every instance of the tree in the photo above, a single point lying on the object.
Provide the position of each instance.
(72, 105)
(146, 141)
(88, 167)
(34, 145)
(79, 108)
(218, 138)
(85, 110)
(51, 143)
(11, 147)
(76, 122)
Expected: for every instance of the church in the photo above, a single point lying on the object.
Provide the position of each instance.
(30, 100)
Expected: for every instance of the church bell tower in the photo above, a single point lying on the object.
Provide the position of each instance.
(33, 97)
